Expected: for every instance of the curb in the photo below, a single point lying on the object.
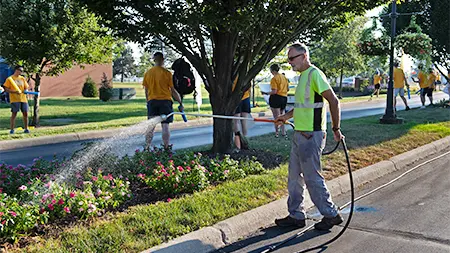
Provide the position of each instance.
(214, 237)
(100, 134)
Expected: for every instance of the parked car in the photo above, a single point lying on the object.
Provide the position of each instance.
(348, 82)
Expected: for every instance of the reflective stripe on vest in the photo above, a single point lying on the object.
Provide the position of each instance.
(307, 103)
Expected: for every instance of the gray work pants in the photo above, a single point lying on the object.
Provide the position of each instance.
(305, 168)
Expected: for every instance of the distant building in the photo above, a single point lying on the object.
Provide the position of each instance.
(69, 83)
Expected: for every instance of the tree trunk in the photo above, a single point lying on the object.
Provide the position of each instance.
(222, 128)
(223, 100)
(37, 83)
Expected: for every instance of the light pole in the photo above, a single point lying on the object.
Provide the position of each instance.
(389, 116)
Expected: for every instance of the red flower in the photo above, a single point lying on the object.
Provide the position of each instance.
(72, 194)
(51, 207)
(60, 202)
(169, 199)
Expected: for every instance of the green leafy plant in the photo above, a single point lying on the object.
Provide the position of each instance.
(106, 90)
(89, 88)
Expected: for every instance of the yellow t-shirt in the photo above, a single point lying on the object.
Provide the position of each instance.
(246, 93)
(431, 80)
(399, 78)
(159, 84)
(376, 79)
(423, 79)
(21, 82)
(280, 83)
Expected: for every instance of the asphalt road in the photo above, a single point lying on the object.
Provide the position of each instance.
(186, 138)
(411, 215)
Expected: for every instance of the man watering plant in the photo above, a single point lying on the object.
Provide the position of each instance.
(308, 142)
(15, 85)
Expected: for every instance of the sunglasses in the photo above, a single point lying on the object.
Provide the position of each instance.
(293, 57)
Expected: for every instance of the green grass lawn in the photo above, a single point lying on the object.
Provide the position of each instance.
(78, 114)
(144, 226)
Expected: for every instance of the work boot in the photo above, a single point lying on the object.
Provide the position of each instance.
(327, 223)
(407, 108)
(288, 221)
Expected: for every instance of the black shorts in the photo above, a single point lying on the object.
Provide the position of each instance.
(158, 108)
(16, 106)
(244, 106)
(377, 86)
(426, 91)
(277, 101)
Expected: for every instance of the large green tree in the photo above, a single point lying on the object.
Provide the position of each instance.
(49, 37)
(243, 36)
(123, 63)
(434, 21)
(337, 54)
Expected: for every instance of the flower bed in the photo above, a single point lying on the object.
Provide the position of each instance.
(33, 196)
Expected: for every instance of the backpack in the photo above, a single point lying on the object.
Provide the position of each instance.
(183, 77)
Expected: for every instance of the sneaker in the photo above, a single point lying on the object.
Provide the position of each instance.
(288, 221)
(11, 131)
(328, 223)
(26, 131)
(407, 108)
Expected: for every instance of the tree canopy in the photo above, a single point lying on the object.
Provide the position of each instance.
(48, 37)
(242, 36)
(434, 21)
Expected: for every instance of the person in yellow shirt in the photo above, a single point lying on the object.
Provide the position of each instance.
(423, 79)
(399, 85)
(159, 90)
(377, 83)
(15, 85)
(278, 96)
(243, 110)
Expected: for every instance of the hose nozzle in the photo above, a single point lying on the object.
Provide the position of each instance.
(163, 117)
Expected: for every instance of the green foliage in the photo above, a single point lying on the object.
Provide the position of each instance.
(434, 22)
(49, 37)
(145, 63)
(106, 90)
(414, 42)
(89, 88)
(373, 46)
(123, 63)
(339, 52)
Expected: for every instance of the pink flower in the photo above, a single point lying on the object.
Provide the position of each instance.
(14, 214)
(51, 207)
(169, 199)
(72, 194)
(53, 201)
(22, 188)
(94, 178)
(60, 202)
(36, 193)
(108, 177)
(226, 172)
(66, 209)
(1, 214)
(140, 175)
(180, 168)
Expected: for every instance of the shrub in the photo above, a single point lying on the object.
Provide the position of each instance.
(89, 88)
(106, 90)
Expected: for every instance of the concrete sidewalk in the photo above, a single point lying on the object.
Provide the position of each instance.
(211, 238)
